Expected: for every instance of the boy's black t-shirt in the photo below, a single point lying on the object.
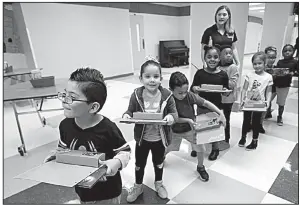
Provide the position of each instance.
(203, 77)
(103, 138)
(285, 81)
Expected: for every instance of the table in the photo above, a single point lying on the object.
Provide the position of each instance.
(23, 91)
(19, 71)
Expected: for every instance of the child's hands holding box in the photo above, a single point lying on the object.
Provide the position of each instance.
(126, 116)
(113, 166)
(222, 120)
(170, 119)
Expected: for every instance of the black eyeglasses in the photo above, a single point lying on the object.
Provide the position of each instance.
(67, 99)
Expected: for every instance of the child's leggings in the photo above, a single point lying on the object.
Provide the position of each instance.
(256, 117)
(141, 154)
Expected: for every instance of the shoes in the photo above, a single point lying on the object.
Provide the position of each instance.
(161, 189)
(193, 153)
(242, 142)
(252, 145)
(203, 174)
(134, 192)
(213, 155)
(262, 130)
(279, 121)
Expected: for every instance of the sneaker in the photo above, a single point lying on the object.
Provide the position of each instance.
(134, 192)
(242, 142)
(262, 130)
(252, 145)
(161, 189)
(213, 155)
(203, 174)
(279, 121)
(193, 153)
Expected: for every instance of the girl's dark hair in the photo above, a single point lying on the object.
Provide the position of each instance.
(270, 48)
(261, 55)
(177, 79)
(287, 45)
(149, 62)
(227, 25)
(208, 48)
(91, 83)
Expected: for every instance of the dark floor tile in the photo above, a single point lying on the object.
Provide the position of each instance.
(52, 194)
(43, 193)
(286, 186)
(293, 159)
(149, 196)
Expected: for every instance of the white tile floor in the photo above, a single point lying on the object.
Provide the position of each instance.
(236, 177)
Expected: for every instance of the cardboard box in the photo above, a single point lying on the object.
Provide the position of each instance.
(207, 125)
(211, 87)
(254, 104)
(206, 131)
(82, 158)
(147, 116)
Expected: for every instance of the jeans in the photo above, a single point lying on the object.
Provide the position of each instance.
(141, 155)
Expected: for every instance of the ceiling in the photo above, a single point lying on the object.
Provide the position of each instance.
(256, 13)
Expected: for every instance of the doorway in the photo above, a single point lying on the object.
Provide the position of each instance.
(137, 40)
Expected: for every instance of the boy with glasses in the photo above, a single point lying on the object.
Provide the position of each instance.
(83, 129)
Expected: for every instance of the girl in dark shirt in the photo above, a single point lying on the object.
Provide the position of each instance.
(210, 75)
(283, 83)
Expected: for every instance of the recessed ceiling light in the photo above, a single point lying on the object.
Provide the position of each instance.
(262, 11)
(257, 8)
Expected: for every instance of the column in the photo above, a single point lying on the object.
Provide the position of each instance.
(277, 25)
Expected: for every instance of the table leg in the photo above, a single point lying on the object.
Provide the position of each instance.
(41, 105)
(42, 119)
(19, 127)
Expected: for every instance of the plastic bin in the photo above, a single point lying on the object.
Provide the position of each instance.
(43, 82)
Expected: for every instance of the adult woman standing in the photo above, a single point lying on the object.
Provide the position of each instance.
(221, 33)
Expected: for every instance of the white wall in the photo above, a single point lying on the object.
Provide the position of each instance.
(253, 37)
(66, 37)
(184, 29)
(276, 19)
(163, 28)
(159, 28)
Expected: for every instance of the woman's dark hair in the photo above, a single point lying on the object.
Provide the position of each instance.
(149, 62)
(177, 79)
(208, 48)
(227, 26)
(91, 83)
